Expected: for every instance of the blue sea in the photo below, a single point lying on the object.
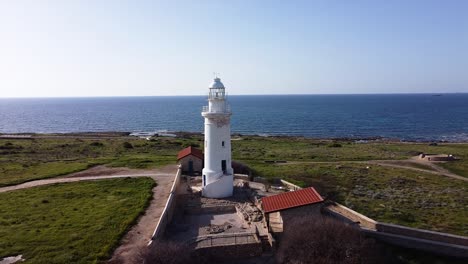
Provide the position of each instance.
(418, 117)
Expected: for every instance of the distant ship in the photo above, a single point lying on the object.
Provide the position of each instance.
(437, 95)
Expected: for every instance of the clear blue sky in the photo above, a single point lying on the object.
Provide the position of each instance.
(120, 48)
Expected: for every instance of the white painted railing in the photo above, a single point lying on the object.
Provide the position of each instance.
(226, 109)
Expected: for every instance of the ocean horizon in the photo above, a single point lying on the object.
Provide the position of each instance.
(411, 117)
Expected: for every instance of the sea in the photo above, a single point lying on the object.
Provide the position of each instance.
(406, 117)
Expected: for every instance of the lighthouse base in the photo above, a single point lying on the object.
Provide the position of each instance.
(221, 188)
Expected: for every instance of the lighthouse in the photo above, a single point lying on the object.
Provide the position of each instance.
(217, 172)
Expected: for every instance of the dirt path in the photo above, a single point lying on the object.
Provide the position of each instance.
(393, 163)
(139, 235)
(65, 180)
(438, 171)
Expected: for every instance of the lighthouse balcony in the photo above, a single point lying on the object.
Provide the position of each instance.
(214, 110)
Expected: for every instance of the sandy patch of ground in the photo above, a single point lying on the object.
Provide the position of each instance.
(104, 170)
(10, 260)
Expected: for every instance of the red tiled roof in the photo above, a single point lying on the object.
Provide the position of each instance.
(190, 151)
(289, 200)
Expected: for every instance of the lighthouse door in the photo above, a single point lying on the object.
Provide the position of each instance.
(223, 166)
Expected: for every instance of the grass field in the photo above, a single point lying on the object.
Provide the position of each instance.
(393, 195)
(70, 223)
(26, 160)
(399, 196)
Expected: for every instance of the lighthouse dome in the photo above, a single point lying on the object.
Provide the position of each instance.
(216, 84)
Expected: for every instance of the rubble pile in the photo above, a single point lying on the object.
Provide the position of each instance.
(249, 212)
(216, 229)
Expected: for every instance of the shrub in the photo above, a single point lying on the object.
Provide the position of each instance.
(193, 145)
(97, 144)
(312, 240)
(335, 145)
(127, 145)
(164, 252)
(240, 168)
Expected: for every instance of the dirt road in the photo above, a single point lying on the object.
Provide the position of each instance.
(401, 164)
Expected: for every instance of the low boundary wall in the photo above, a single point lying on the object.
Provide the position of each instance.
(168, 210)
(345, 214)
(422, 234)
(431, 246)
(426, 240)
(291, 186)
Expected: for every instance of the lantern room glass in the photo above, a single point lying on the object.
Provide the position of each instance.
(217, 93)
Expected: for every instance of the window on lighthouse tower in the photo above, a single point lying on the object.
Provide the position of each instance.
(222, 143)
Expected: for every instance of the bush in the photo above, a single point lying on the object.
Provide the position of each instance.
(164, 252)
(193, 145)
(335, 145)
(312, 240)
(97, 144)
(10, 145)
(127, 145)
(240, 168)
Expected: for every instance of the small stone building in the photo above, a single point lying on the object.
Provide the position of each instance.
(191, 160)
(282, 208)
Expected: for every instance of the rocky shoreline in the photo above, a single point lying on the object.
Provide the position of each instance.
(184, 134)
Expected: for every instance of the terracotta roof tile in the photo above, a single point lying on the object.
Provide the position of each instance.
(190, 151)
(289, 200)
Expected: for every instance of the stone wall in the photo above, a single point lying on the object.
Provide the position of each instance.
(349, 216)
(422, 234)
(298, 212)
(168, 211)
(291, 186)
(221, 209)
(434, 247)
(229, 252)
(425, 240)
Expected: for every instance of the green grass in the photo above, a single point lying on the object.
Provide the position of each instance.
(411, 164)
(26, 160)
(72, 222)
(459, 167)
(14, 173)
(255, 150)
(393, 195)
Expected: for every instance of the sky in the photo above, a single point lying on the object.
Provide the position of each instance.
(156, 48)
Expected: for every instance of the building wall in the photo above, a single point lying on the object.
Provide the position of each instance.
(197, 164)
(307, 210)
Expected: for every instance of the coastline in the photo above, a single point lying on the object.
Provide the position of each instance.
(184, 134)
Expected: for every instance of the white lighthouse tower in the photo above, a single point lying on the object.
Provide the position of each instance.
(217, 172)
